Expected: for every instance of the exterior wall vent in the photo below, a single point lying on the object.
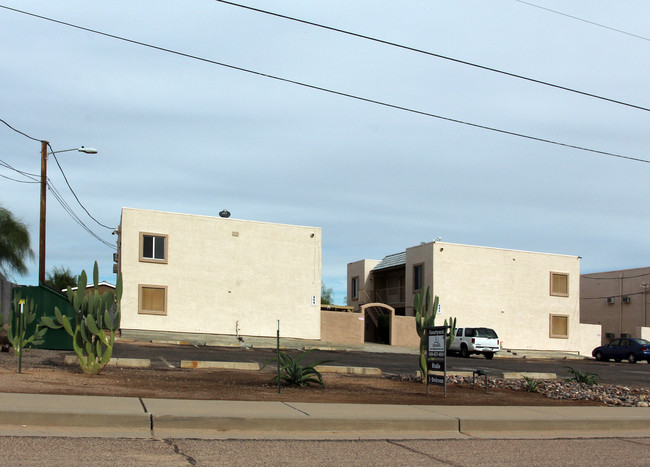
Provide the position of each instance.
(609, 335)
(626, 300)
(610, 300)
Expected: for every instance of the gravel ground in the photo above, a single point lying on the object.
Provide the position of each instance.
(610, 395)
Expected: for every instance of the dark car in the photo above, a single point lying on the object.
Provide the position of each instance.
(631, 349)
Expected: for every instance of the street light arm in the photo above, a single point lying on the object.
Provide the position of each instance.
(81, 149)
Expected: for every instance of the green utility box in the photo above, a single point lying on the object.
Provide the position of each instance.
(45, 299)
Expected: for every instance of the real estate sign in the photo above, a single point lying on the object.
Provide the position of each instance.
(437, 357)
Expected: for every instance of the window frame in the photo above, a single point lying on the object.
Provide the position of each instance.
(419, 266)
(552, 291)
(354, 288)
(553, 335)
(144, 259)
(142, 310)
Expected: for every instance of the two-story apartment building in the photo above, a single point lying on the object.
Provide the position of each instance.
(213, 275)
(530, 299)
(617, 300)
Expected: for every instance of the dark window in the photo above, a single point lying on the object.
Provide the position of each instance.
(418, 278)
(354, 288)
(154, 247)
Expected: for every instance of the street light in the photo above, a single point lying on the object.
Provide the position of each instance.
(41, 246)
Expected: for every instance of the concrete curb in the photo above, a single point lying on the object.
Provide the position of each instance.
(349, 370)
(247, 366)
(43, 415)
(118, 362)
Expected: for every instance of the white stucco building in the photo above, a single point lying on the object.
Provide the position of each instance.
(532, 300)
(201, 274)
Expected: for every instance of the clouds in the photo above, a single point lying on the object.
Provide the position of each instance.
(189, 136)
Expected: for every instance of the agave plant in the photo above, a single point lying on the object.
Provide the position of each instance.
(578, 376)
(294, 373)
(532, 385)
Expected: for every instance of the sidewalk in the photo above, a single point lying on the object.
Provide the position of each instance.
(92, 416)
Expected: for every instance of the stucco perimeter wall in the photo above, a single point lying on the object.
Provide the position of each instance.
(224, 274)
(342, 328)
(402, 331)
(509, 291)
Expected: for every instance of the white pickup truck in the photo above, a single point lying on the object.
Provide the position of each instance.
(469, 341)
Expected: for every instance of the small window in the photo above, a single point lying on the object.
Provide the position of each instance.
(153, 248)
(559, 326)
(559, 284)
(152, 300)
(459, 333)
(354, 288)
(418, 277)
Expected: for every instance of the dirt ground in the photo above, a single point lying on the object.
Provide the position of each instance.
(43, 372)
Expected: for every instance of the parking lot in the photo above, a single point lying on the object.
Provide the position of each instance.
(168, 356)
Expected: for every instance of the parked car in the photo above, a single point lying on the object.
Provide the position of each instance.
(469, 341)
(632, 349)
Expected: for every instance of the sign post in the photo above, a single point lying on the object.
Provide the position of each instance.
(21, 325)
(437, 356)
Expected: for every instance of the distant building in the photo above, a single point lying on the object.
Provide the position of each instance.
(530, 299)
(200, 274)
(617, 300)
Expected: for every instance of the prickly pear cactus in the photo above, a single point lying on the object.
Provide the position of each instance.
(17, 329)
(97, 318)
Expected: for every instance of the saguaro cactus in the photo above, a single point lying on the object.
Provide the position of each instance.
(97, 317)
(424, 318)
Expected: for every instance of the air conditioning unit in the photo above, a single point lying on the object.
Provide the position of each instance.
(610, 300)
(625, 334)
(609, 335)
(626, 300)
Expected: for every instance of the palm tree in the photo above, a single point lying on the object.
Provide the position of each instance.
(14, 244)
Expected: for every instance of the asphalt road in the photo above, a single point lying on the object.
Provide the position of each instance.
(166, 356)
(69, 452)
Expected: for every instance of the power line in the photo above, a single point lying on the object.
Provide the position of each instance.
(18, 131)
(16, 180)
(75, 194)
(432, 54)
(583, 20)
(66, 207)
(331, 91)
(33, 177)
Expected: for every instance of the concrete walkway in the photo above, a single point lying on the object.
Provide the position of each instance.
(57, 415)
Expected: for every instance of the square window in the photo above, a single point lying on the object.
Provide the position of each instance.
(152, 299)
(559, 326)
(559, 284)
(418, 277)
(354, 288)
(153, 248)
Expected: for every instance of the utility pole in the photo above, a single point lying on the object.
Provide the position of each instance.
(41, 245)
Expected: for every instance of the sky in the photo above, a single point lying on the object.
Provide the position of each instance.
(197, 133)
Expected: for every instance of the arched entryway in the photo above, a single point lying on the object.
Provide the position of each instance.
(377, 318)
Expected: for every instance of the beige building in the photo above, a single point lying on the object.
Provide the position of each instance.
(200, 274)
(617, 300)
(530, 299)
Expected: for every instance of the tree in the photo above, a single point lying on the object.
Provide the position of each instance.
(14, 244)
(326, 295)
(60, 278)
